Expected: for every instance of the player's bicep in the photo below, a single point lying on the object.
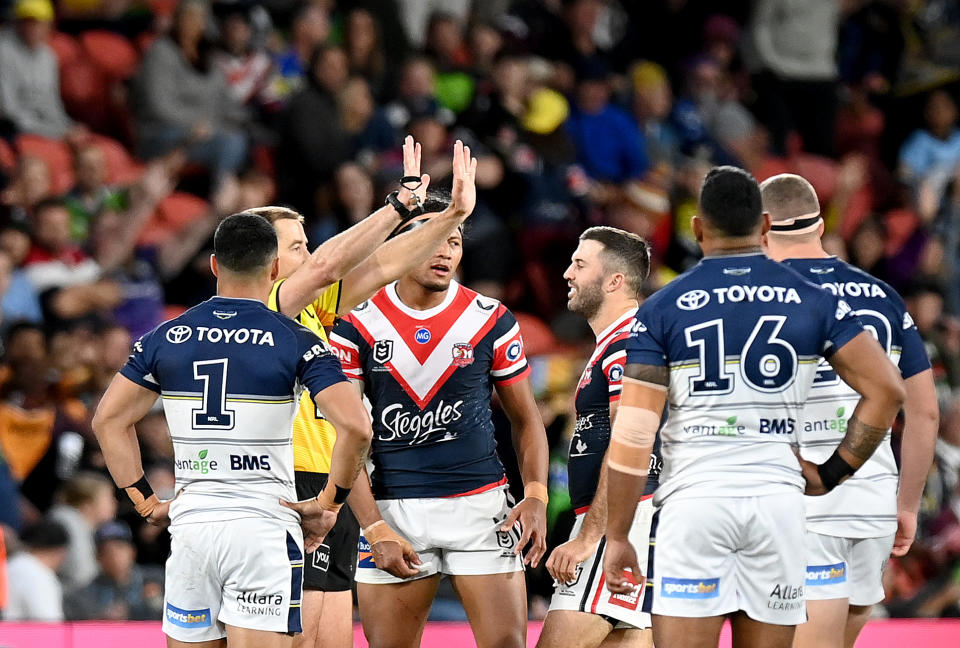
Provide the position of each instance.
(518, 402)
(124, 403)
(341, 405)
(864, 366)
(638, 419)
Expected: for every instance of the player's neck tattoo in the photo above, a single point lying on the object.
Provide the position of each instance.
(732, 251)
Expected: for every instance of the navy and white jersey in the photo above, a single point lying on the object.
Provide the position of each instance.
(864, 506)
(428, 375)
(742, 336)
(599, 388)
(230, 373)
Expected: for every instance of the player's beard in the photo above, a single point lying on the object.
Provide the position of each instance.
(587, 299)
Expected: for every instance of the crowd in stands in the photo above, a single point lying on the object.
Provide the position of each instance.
(128, 128)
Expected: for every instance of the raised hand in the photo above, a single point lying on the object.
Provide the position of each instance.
(411, 167)
(463, 195)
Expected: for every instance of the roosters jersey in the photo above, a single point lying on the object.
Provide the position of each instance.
(230, 373)
(313, 435)
(428, 375)
(598, 389)
(742, 337)
(865, 505)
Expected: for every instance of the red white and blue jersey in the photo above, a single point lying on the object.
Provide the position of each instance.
(429, 375)
(599, 388)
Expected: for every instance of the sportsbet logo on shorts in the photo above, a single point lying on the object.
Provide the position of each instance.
(690, 588)
(188, 618)
(826, 574)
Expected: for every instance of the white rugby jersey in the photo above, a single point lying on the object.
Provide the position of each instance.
(865, 505)
(230, 373)
(742, 336)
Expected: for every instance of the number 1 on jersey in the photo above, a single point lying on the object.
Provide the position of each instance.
(213, 414)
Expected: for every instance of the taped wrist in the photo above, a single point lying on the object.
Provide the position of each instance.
(833, 470)
(332, 497)
(143, 498)
(380, 531)
(632, 439)
(536, 490)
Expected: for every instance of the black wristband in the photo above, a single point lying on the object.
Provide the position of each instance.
(833, 470)
(142, 486)
(406, 214)
(341, 495)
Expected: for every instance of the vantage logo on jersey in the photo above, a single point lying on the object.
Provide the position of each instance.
(462, 354)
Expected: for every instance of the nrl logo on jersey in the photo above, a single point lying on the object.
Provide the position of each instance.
(462, 354)
(383, 351)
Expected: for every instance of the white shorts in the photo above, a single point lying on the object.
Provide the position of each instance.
(246, 573)
(588, 592)
(715, 555)
(850, 568)
(459, 536)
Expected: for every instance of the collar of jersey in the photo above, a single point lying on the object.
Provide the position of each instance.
(249, 299)
(623, 319)
(394, 298)
(721, 257)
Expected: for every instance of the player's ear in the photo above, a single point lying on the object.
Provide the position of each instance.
(616, 281)
(275, 269)
(213, 265)
(765, 226)
(696, 224)
(821, 228)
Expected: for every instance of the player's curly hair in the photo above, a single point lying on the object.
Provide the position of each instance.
(730, 200)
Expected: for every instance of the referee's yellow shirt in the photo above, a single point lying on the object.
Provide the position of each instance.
(313, 435)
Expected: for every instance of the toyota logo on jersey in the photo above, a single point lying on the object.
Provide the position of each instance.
(693, 300)
(179, 334)
(462, 354)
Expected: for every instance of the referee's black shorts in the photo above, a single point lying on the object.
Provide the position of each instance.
(331, 567)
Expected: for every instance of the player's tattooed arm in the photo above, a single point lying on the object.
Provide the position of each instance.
(651, 374)
(861, 439)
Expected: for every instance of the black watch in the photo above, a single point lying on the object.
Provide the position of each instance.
(405, 213)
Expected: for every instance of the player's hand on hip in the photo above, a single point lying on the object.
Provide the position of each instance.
(620, 557)
(563, 562)
(532, 515)
(315, 520)
(160, 515)
(906, 530)
(396, 557)
(814, 485)
(411, 168)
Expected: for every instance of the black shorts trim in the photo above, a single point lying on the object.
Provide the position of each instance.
(330, 568)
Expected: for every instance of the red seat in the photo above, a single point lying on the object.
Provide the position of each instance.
(83, 90)
(122, 168)
(8, 158)
(113, 54)
(57, 156)
(65, 47)
(174, 213)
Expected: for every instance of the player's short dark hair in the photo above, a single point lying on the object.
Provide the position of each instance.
(45, 534)
(624, 252)
(787, 196)
(245, 243)
(730, 200)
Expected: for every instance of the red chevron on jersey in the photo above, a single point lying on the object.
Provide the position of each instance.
(420, 342)
(619, 330)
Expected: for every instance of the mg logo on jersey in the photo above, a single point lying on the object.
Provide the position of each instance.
(462, 354)
(693, 300)
(179, 334)
(383, 351)
(422, 336)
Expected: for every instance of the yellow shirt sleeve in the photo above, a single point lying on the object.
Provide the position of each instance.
(328, 304)
(273, 300)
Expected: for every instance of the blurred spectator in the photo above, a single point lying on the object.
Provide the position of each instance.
(246, 67)
(932, 155)
(609, 144)
(417, 16)
(29, 76)
(84, 503)
(18, 299)
(793, 56)
(123, 590)
(652, 105)
(416, 94)
(30, 184)
(310, 29)
(312, 143)
(365, 53)
(90, 194)
(35, 592)
(445, 43)
(366, 126)
(180, 98)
